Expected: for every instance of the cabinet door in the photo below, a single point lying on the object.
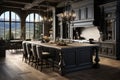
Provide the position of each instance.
(90, 12)
(77, 14)
(69, 57)
(83, 13)
(108, 50)
(110, 25)
(84, 56)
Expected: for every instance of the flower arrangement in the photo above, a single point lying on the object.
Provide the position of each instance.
(46, 38)
(61, 43)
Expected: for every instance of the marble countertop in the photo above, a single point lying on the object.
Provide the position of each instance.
(72, 45)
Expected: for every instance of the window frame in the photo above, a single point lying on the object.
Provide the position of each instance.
(34, 22)
(10, 20)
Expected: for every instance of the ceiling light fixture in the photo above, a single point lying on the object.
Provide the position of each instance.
(68, 15)
(47, 17)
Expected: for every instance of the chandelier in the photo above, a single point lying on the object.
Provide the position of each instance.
(48, 16)
(68, 14)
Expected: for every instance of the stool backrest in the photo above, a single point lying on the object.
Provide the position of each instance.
(34, 51)
(39, 51)
(28, 46)
(24, 48)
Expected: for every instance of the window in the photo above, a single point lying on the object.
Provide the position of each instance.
(10, 26)
(33, 26)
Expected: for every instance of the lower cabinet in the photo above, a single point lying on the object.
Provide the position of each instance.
(107, 49)
(77, 58)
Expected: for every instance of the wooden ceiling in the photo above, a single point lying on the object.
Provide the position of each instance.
(33, 4)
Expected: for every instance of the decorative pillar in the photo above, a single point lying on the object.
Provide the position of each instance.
(43, 28)
(23, 30)
(60, 25)
(54, 23)
(61, 30)
(71, 31)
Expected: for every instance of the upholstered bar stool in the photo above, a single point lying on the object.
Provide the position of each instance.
(34, 53)
(43, 57)
(29, 52)
(25, 55)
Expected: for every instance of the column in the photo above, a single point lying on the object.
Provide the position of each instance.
(23, 28)
(71, 31)
(43, 28)
(61, 30)
(54, 23)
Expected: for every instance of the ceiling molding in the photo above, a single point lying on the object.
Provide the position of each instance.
(34, 3)
(11, 7)
(17, 2)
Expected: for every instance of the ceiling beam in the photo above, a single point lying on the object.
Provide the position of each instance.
(17, 2)
(11, 7)
(34, 3)
(42, 5)
(20, 8)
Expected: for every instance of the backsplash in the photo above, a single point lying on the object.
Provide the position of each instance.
(90, 32)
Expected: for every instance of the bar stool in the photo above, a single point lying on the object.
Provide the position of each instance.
(35, 56)
(29, 52)
(43, 57)
(25, 55)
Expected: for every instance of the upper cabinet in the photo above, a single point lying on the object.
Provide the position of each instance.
(109, 20)
(90, 12)
(108, 46)
(84, 13)
(110, 25)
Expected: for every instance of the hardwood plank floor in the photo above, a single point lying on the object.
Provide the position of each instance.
(12, 68)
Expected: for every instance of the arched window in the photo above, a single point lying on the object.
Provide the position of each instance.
(33, 26)
(10, 25)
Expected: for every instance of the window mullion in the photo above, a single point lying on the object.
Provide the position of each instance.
(9, 24)
(29, 26)
(4, 25)
(15, 25)
(34, 26)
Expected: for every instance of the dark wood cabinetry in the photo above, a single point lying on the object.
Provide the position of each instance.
(108, 43)
(110, 24)
(72, 57)
(77, 58)
(108, 49)
(84, 10)
(2, 48)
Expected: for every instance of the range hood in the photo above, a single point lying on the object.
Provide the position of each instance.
(83, 23)
(84, 13)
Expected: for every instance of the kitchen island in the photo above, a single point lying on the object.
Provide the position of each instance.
(72, 57)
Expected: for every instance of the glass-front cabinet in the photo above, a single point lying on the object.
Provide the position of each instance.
(108, 36)
(110, 24)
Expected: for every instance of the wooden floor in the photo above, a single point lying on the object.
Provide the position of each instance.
(12, 68)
